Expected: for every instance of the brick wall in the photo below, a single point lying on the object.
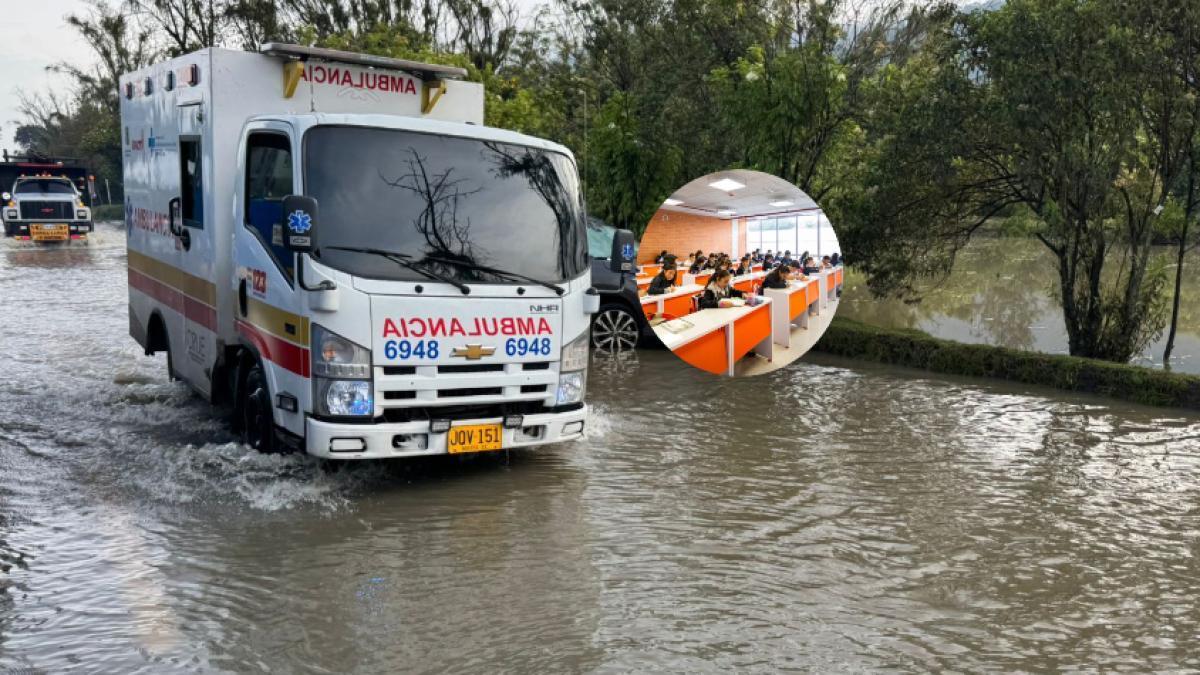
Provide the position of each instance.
(683, 233)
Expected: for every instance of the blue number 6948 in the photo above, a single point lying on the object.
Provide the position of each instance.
(405, 349)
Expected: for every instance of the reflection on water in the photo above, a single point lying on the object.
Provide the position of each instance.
(831, 516)
(1005, 292)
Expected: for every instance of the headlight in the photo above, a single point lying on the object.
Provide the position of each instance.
(347, 397)
(341, 370)
(571, 387)
(575, 355)
(81, 214)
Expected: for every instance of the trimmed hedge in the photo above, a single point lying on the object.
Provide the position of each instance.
(108, 212)
(914, 349)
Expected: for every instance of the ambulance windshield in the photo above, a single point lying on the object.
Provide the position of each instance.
(472, 202)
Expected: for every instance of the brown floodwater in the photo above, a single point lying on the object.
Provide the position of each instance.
(831, 516)
(1004, 291)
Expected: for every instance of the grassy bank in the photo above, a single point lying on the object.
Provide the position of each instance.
(108, 212)
(915, 349)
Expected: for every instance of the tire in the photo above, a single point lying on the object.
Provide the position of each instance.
(615, 329)
(257, 424)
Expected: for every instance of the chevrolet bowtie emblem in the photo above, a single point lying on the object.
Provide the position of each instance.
(473, 352)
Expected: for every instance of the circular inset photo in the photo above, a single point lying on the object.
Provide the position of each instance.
(739, 273)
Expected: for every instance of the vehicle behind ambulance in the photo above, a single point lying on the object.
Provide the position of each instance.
(44, 202)
(334, 244)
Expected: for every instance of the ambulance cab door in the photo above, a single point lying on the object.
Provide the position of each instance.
(193, 222)
(267, 305)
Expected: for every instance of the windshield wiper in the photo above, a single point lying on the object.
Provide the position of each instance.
(492, 270)
(406, 261)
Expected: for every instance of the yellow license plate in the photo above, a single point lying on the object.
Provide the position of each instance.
(475, 438)
(41, 232)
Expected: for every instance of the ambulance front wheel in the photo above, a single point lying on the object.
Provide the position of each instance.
(258, 428)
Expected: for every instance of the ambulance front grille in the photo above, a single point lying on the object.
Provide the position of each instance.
(483, 384)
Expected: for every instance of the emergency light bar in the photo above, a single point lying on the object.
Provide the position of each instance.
(427, 71)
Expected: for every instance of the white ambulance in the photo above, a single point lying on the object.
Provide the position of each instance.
(335, 245)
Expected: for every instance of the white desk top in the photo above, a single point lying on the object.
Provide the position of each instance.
(703, 322)
(750, 277)
(793, 287)
(689, 289)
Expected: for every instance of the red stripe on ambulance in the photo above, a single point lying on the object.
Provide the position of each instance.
(192, 309)
(280, 352)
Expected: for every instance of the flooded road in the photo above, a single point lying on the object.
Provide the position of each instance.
(831, 516)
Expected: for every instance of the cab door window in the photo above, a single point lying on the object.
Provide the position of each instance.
(268, 181)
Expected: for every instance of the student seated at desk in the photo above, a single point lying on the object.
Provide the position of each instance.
(661, 257)
(810, 266)
(664, 281)
(746, 266)
(778, 277)
(698, 265)
(768, 262)
(718, 289)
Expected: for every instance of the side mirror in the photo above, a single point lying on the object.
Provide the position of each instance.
(624, 252)
(299, 222)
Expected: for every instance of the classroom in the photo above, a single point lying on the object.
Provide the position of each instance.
(756, 276)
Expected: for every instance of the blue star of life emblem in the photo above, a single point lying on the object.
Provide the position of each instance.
(627, 251)
(299, 222)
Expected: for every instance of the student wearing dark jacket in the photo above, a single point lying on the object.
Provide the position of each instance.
(661, 257)
(746, 266)
(811, 267)
(778, 277)
(664, 281)
(719, 287)
(698, 265)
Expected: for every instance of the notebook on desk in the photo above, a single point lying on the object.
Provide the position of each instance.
(676, 325)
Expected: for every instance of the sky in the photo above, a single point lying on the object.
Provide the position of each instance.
(34, 37)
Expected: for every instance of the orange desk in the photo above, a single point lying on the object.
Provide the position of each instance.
(832, 282)
(676, 303)
(700, 278)
(719, 338)
(650, 270)
(745, 283)
(756, 268)
(790, 307)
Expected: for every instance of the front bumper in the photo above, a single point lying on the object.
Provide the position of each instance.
(414, 439)
(20, 229)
